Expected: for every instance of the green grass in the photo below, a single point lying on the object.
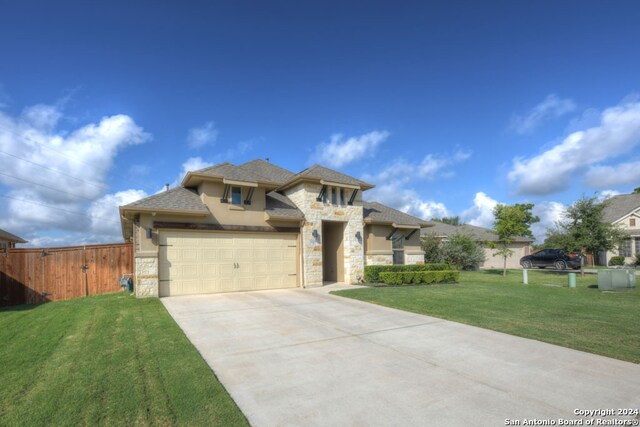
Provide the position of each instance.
(606, 323)
(105, 360)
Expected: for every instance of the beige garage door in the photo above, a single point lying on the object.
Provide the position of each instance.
(210, 262)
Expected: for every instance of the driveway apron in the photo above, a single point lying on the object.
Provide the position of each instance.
(304, 357)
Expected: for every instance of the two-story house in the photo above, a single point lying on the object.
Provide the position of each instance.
(624, 211)
(258, 226)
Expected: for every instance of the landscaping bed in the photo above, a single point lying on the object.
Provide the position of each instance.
(583, 318)
(105, 360)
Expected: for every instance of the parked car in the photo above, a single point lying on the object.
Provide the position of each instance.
(551, 258)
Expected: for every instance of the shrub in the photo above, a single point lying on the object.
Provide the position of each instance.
(417, 277)
(637, 257)
(463, 252)
(372, 272)
(616, 260)
(432, 247)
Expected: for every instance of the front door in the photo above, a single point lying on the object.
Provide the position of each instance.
(332, 251)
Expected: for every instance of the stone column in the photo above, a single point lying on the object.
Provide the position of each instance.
(146, 276)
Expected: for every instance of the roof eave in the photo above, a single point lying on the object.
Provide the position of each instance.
(134, 209)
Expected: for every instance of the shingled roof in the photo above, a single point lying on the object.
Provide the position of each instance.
(5, 235)
(619, 206)
(377, 212)
(257, 170)
(279, 205)
(178, 199)
(268, 171)
(317, 172)
(441, 229)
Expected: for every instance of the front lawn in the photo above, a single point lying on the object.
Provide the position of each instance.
(107, 360)
(606, 323)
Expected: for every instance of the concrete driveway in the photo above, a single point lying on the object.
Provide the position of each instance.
(303, 357)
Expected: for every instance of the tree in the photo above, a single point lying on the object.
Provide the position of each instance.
(557, 238)
(636, 190)
(451, 220)
(463, 252)
(432, 248)
(586, 229)
(510, 222)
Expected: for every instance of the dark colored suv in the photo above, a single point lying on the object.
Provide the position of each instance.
(551, 258)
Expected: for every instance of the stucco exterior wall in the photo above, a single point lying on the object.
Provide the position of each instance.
(378, 249)
(304, 196)
(519, 249)
(630, 224)
(226, 213)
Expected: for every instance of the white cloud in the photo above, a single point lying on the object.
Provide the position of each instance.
(555, 169)
(407, 200)
(394, 183)
(190, 165)
(481, 213)
(53, 176)
(550, 108)
(206, 134)
(105, 216)
(340, 151)
(611, 176)
(605, 194)
(549, 213)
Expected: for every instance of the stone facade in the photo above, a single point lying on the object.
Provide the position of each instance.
(379, 259)
(146, 279)
(413, 258)
(304, 196)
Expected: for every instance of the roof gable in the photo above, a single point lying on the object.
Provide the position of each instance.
(620, 206)
(321, 173)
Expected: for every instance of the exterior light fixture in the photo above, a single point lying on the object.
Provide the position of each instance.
(358, 235)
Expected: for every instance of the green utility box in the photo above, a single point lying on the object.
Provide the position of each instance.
(610, 280)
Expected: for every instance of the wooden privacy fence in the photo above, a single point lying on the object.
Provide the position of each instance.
(34, 275)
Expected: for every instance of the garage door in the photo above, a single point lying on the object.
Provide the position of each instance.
(210, 262)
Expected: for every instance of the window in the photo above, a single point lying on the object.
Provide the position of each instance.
(637, 245)
(625, 248)
(342, 196)
(236, 196)
(334, 196)
(397, 245)
(632, 222)
(4, 245)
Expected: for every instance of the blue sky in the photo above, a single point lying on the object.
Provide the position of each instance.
(449, 107)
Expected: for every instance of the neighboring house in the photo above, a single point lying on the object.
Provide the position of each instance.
(520, 246)
(8, 240)
(624, 211)
(259, 226)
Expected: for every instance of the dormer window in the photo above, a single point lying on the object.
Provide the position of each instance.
(236, 196)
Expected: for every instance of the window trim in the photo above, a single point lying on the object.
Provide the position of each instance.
(632, 222)
(622, 249)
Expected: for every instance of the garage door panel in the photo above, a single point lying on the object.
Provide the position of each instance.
(193, 262)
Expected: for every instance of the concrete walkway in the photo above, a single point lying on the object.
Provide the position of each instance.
(303, 357)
